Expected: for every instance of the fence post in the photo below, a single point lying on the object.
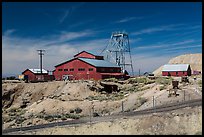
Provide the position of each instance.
(153, 101)
(184, 95)
(90, 115)
(122, 107)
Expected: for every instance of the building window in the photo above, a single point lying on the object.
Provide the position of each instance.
(90, 69)
(102, 70)
(71, 69)
(81, 69)
(59, 69)
(183, 72)
(176, 73)
(65, 69)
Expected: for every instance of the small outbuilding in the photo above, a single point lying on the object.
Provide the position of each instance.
(176, 70)
(34, 75)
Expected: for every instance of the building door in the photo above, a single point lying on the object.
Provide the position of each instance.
(169, 74)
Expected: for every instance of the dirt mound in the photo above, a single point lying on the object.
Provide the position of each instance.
(195, 61)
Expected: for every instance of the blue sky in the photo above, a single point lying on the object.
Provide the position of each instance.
(157, 31)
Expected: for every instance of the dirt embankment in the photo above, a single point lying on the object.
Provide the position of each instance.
(187, 121)
(195, 61)
(39, 103)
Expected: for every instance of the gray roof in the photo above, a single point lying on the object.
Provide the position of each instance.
(99, 63)
(38, 71)
(175, 67)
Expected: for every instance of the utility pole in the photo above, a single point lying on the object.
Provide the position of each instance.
(40, 52)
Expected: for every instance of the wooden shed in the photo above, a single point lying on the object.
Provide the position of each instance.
(34, 75)
(176, 70)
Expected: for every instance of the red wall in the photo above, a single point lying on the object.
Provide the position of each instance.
(85, 55)
(76, 63)
(180, 73)
(76, 74)
(31, 76)
(35, 77)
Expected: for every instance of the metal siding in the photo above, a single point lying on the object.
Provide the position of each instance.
(37, 71)
(175, 67)
(98, 63)
(31, 76)
(78, 74)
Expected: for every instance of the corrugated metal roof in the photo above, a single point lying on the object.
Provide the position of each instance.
(98, 63)
(175, 67)
(38, 71)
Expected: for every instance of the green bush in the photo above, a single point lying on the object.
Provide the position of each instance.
(73, 116)
(20, 120)
(71, 111)
(13, 110)
(49, 117)
(78, 110)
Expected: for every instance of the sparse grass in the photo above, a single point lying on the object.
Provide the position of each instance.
(144, 80)
(164, 80)
(198, 133)
(111, 80)
(145, 88)
(102, 97)
(53, 117)
(162, 87)
(13, 110)
(20, 120)
(142, 100)
(200, 83)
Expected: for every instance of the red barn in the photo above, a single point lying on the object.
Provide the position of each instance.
(176, 70)
(34, 75)
(85, 65)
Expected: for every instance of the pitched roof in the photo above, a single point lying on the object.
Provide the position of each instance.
(85, 52)
(98, 63)
(175, 67)
(37, 71)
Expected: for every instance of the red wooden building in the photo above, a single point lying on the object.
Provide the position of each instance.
(34, 75)
(85, 65)
(176, 70)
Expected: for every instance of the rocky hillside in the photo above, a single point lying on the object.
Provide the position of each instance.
(195, 60)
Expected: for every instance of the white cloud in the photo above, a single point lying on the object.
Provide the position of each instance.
(9, 32)
(165, 45)
(69, 11)
(127, 19)
(66, 13)
(20, 53)
(157, 29)
(185, 47)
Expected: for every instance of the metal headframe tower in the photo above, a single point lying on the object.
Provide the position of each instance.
(118, 50)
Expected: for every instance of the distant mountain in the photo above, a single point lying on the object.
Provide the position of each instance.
(195, 61)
